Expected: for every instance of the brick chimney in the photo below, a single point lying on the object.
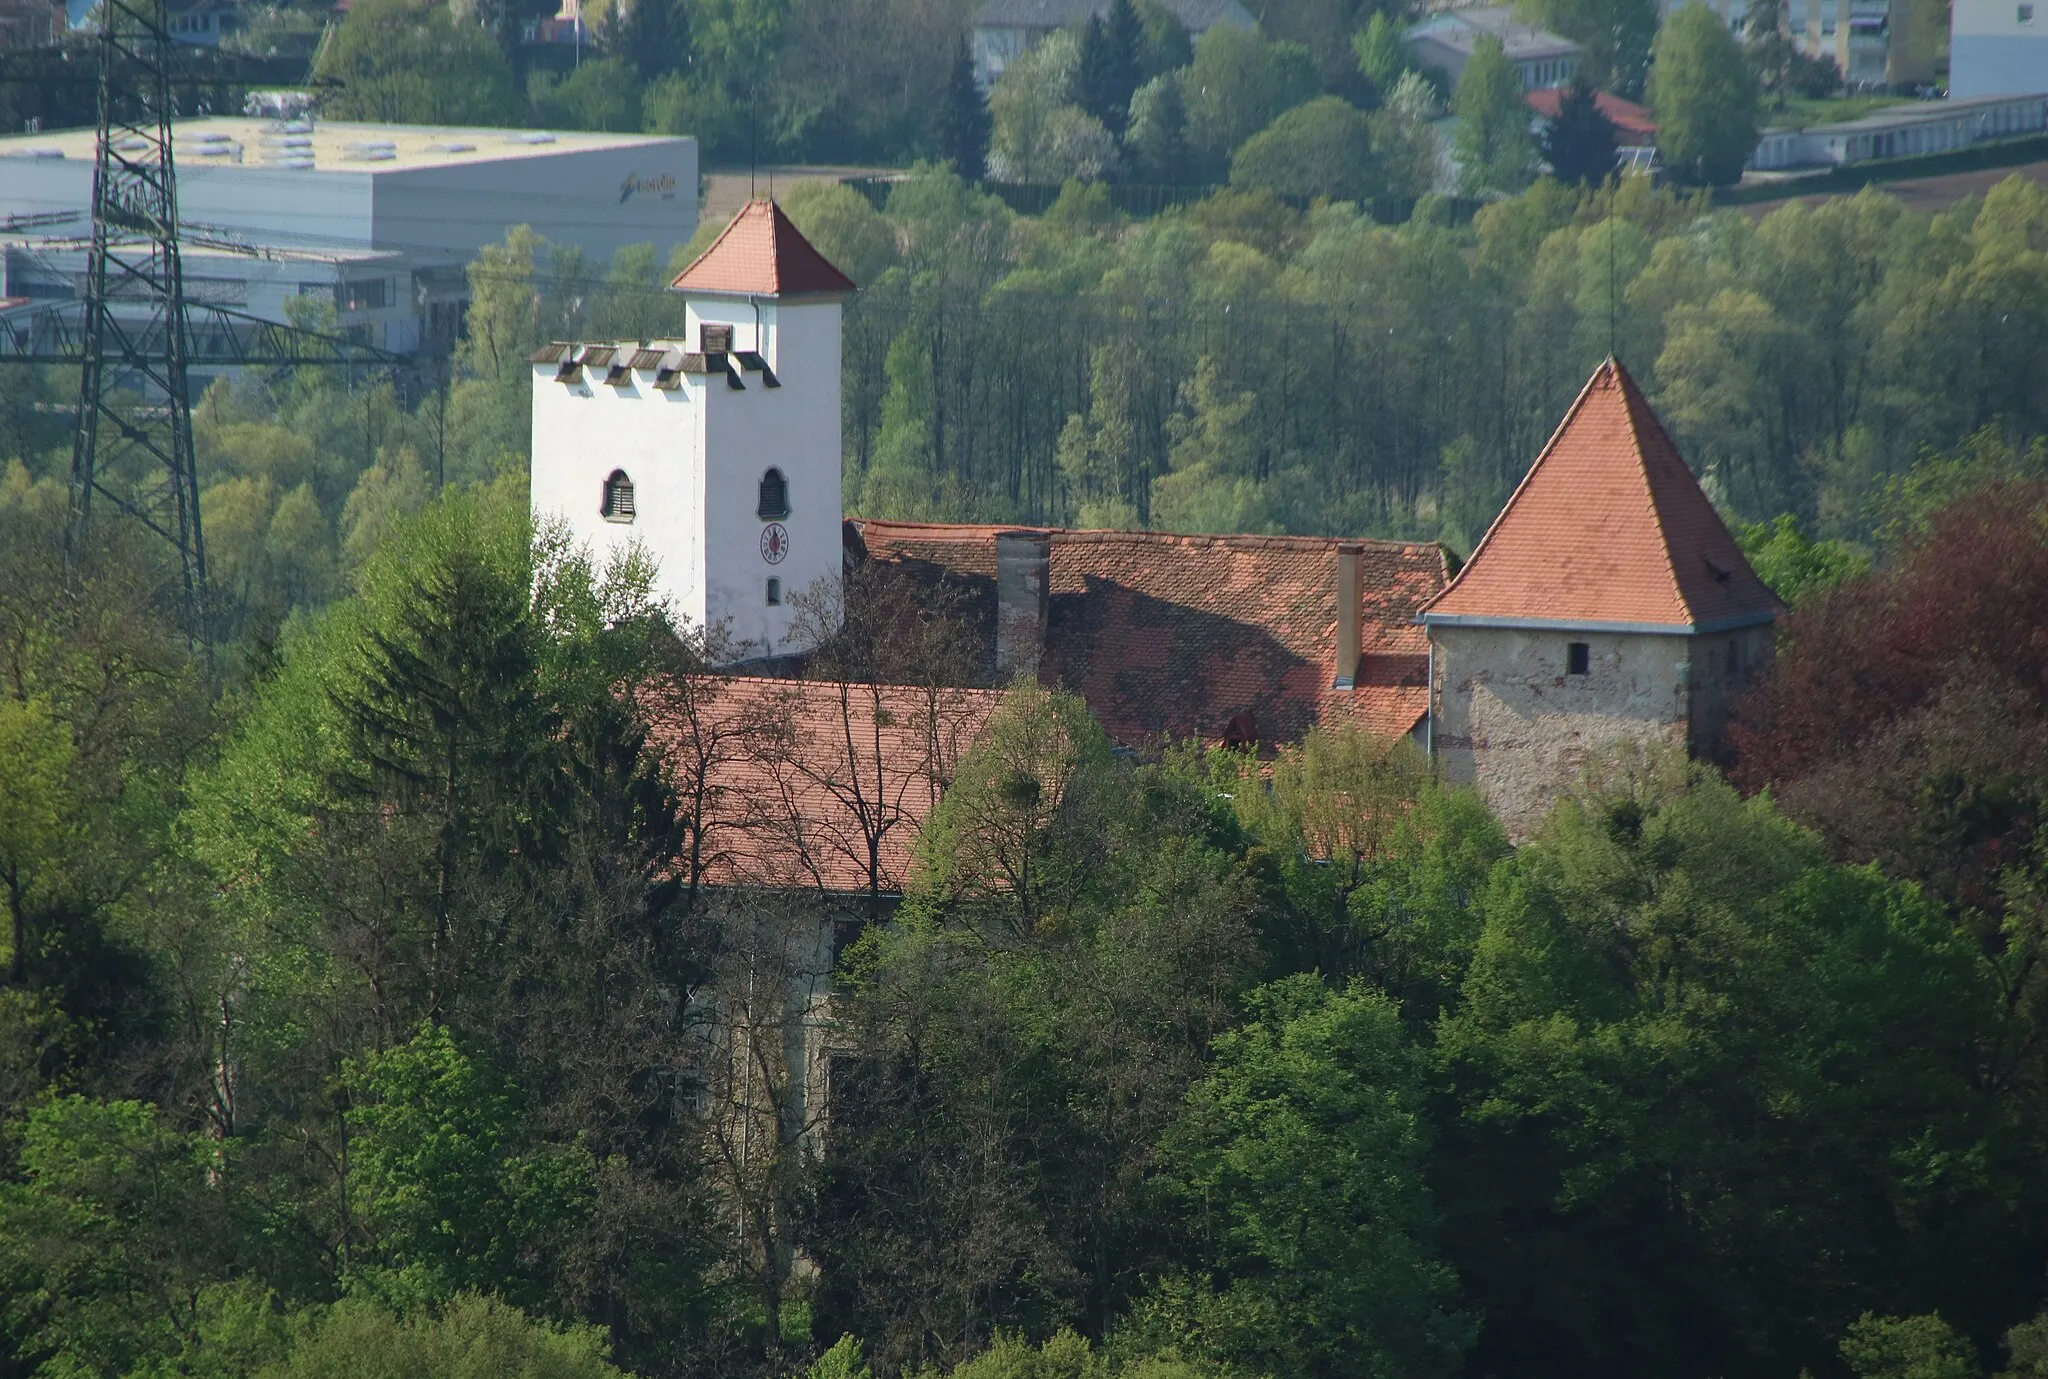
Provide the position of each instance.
(1348, 596)
(1023, 577)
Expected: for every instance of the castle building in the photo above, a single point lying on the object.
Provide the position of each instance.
(1608, 603)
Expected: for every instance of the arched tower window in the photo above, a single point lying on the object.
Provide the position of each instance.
(618, 498)
(774, 496)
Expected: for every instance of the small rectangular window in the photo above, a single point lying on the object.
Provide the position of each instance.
(775, 593)
(1578, 658)
(2026, 13)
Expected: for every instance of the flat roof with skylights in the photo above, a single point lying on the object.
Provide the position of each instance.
(335, 146)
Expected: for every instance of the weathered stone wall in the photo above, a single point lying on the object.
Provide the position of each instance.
(1514, 722)
(1718, 680)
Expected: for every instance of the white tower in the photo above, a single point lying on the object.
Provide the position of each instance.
(719, 453)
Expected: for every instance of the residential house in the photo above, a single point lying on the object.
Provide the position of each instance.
(1445, 41)
(1997, 48)
(1633, 127)
(31, 23)
(1004, 30)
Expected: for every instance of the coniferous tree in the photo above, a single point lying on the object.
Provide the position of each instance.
(964, 122)
(1579, 144)
(1124, 46)
(1157, 140)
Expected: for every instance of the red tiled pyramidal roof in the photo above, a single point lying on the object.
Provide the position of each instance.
(761, 254)
(1170, 636)
(1608, 527)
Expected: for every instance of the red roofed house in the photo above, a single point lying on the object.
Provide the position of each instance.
(1633, 126)
(1608, 603)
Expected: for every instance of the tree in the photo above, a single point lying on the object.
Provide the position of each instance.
(1908, 735)
(109, 1233)
(1908, 1348)
(473, 1336)
(1108, 70)
(1236, 86)
(32, 806)
(1298, 1170)
(443, 1192)
(602, 93)
(1382, 60)
(1770, 50)
(410, 62)
(1021, 1037)
(964, 121)
(1796, 566)
(1705, 98)
(1323, 148)
(1663, 935)
(1495, 152)
(1579, 143)
(654, 36)
(1157, 140)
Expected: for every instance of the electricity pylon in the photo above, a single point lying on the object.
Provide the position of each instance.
(136, 451)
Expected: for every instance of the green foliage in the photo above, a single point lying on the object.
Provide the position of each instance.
(1323, 148)
(1238, 84)
(1382, 60)
(1793, 563)
(600, 94)
(410, 62)
(447, 1202)
(1629, 1058)
(471, 1337)
(1299, 1168)
(33, 801)
(1705, 98)
(1157, 139)
(1907, 1348)
(108, 1235)
(1495, 152)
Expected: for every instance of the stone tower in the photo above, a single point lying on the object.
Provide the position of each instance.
(717, 453)
(1608, 603)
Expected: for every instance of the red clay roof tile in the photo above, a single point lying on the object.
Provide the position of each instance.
(797, 776)
(1608, 526)
(761, 254)
(1172, 637)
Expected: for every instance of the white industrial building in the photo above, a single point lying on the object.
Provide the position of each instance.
(717, 454)
(396, 211)
(1902, 131)
(1997, 48)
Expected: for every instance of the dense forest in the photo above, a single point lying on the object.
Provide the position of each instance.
(366, 986)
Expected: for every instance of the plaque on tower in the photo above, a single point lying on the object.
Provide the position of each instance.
(774, 543)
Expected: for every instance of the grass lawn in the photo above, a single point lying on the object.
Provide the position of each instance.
(1798, 114)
